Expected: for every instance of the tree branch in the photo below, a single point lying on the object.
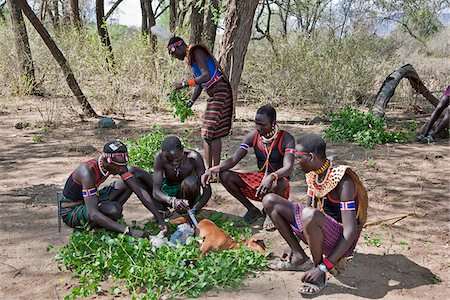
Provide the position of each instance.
(162, 11)
(111, 10)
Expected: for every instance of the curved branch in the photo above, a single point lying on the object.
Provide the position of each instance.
(390, 84)
(112, 9)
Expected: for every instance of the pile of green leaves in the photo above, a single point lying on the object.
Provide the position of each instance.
(177, 102)
(366, 129)
(134, 265)
(142, 150)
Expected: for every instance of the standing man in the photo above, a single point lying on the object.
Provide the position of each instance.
(176, 178)
(84, 202)
(275, 159)
(331, 221)
(208, 76)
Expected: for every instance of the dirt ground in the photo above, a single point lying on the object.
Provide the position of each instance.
(410, 261)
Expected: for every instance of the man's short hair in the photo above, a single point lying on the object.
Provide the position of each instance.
(115, 146)
(267, 110)
(175, 39)
(313, 143)
(171, 144)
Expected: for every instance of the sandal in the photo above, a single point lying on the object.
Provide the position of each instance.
(420, 138)
(289, 266)
(429, 139)
(250, 218)
(312, 288)
(268, 224)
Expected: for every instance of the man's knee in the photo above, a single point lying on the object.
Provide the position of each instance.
(190, 189)
(269, 201)
(311, 216)
(113, 210)
(226, 177)
(190, 183)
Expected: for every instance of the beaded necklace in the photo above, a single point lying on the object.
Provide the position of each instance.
(102, 167)
(316, 183)
(268, 150)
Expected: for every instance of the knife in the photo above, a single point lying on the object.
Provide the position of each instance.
(192, 217)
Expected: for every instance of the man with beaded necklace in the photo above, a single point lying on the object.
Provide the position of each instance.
(84, 202)
(274, 153)
(331, 221)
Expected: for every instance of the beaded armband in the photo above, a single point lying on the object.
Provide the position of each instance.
(89, 192)
(126, 175)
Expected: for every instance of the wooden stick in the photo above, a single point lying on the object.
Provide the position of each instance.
(397, 218)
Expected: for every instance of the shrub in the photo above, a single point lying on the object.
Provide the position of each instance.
(366, 129)
(143, 149)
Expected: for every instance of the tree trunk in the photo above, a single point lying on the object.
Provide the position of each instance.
(102, 31)
(233, 46)
(390, 84)
(22, 48)
(211, 23)
(59, 57)
(55, 18)
(150, 16)
(182, 13)
(75, 14)
(196, 21)
(173, 8)
(144, 24)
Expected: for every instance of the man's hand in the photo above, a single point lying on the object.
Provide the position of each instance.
(177, 85)
(164, 228)
(180, 204)
(206, 177)
(265, 186)
(313, 276)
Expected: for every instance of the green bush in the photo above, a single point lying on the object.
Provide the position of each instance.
(366, 129)
(96, 256)
(142, 150)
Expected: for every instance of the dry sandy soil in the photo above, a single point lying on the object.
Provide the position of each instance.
(411, 261)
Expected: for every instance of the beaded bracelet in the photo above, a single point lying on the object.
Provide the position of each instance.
(328, 263)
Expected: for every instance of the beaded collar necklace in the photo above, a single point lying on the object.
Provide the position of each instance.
(271, 136)
(102, 167)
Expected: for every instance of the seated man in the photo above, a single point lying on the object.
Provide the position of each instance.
(430, 136)
(331, 227)
(176, 178)
(274, 154)
(83, 202)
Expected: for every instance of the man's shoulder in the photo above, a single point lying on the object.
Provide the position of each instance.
(193, 154)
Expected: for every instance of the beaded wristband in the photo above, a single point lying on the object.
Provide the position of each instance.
(328, 263)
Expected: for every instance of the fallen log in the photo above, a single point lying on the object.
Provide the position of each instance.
(390, 84)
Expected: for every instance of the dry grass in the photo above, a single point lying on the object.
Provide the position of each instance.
(323, 71)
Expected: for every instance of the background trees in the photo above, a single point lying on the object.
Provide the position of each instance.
(281, 51)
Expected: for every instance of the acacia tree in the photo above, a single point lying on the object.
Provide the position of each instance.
(75, 14)
(196, 22)
(233, 46)
(59, 57)
(22, 48)
(102, 31)
(173, 8)
(211, 20)
(149, 15)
